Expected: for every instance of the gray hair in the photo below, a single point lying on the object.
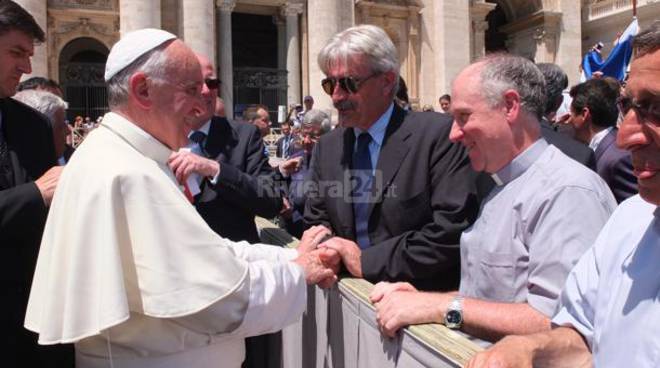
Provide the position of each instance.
(42, 101)
(502, 72)
(368, 40)
(154, 63)
(648, 40)
(556, 82)
(316, 117)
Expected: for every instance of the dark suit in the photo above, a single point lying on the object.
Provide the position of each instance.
(245, 185)
(614, 165)
(427, 197)
(569, 146)
(279, 152)
(22, 218)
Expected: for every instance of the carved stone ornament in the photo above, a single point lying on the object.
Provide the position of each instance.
(83, 4)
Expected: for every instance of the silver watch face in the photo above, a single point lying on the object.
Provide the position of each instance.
(453, 319)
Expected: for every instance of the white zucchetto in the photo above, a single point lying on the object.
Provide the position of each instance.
(132, 46)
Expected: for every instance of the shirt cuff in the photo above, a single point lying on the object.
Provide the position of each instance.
(214, 180)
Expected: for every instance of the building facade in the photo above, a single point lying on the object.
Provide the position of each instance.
(265, 50)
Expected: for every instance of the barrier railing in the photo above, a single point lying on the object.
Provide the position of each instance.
(339, 329)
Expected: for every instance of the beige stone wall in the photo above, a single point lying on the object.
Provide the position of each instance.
(38, 9)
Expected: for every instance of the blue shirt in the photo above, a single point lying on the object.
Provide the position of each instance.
(545, 212)
(377, 132)
(612, 296)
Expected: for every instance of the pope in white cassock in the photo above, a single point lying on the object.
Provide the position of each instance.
(128, 270)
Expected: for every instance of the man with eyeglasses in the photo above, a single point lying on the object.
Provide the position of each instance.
(393, 188)
(610, 307)
(226, 161)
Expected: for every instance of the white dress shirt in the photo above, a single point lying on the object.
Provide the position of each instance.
(612, 296)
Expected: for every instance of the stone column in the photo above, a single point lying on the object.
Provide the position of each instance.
(199, 27)
(569, 49)
(453, 53)
(138, 14)
(38, 9)
(324, 22)
(225, 7)
(291, 11)
(478, 12)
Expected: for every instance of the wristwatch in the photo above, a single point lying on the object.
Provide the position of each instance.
(454, 314)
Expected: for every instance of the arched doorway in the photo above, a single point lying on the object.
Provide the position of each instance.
(82, 64)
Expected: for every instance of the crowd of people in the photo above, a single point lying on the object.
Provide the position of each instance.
(487, 217)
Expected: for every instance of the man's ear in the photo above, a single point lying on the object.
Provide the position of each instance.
(390, 79)
(139, 90)
(512, 105)
(586, 114)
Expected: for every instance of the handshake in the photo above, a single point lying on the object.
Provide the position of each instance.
(320, 255)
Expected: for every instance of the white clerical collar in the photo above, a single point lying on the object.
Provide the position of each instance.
(598, 137)
(520, 163)
(139, 139)
(377, 130)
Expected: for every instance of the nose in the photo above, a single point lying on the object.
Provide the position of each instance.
(25, 66)
(338, 93)
(631, 134)
(456, 133)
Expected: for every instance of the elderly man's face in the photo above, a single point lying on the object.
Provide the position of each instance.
(209, 95)
(179, 105)
(362, 108)
(16, 49)
(640, 131)
(483, 130)
(262, 122)
(310, 134)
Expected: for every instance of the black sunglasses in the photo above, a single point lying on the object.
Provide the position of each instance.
(212, 83)
(348, 84)
(646, 110)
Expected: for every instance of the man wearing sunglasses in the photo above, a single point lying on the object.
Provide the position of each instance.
(232, 173)
(393, 188)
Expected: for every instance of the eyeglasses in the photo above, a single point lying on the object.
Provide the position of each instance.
(647, 110)
(348, 84)
(212, 83)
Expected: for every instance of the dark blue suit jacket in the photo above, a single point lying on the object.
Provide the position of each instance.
(615, 167)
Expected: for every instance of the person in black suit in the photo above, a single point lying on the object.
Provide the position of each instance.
(28, 177)
(236, 183)
(285, 142)
(594, 114)
(555, 82)
(393, 188)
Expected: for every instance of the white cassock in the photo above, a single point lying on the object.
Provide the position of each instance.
(130, 272)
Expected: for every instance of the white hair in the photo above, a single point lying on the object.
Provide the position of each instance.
(154, 63)
(316, 117)
(502, 72)
(45, 102)
(367, 40)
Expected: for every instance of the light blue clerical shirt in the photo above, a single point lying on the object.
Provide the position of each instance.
(545, 212)
(612, 296)
(377, 132)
